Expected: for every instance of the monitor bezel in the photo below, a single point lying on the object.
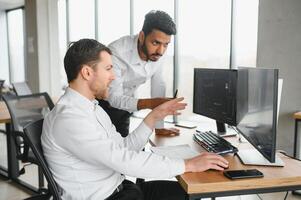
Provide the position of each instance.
(271, 158)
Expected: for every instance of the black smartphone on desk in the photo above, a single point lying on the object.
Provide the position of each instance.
(248, 173)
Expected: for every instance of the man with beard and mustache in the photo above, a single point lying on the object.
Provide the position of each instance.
(137, 59)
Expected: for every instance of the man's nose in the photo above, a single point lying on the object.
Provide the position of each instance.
(160, 50)
(113, 76)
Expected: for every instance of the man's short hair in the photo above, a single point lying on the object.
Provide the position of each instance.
(84, 51)
(160, 20)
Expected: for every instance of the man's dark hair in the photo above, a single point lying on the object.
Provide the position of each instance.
(160, 20)
(84, 51)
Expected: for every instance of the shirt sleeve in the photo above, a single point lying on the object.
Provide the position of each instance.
(158, 89)
(116, 97)
(93, 144)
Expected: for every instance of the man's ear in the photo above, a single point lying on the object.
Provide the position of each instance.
(85, 72)
(141, 37)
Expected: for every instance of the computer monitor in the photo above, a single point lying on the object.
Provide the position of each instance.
(220, 94)
(245, 98)
(259, 124)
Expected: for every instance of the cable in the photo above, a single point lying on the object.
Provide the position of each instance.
(284, 153)
(286, 195)
(259, 197)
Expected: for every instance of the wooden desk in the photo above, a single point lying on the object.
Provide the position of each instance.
(297, 117)
(4, 114)
(12, 170)
(213, 183)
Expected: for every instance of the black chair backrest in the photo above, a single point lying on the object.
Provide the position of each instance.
(32, 136)
(1, 84)
(21, 88)
(27, 108)
(1, 87)
(24, 110)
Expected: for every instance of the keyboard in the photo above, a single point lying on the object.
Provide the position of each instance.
(214, 143)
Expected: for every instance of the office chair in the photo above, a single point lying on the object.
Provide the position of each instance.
(21, 88)
(24, 110)
(1, 87)
(32, 136)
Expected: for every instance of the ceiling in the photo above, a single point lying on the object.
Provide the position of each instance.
(10, 4)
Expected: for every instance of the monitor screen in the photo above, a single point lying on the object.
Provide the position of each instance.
(215, 96)
(258, 125)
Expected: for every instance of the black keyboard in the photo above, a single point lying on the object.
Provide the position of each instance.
(214, 143)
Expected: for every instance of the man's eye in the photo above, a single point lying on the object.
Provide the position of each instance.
(155, 43)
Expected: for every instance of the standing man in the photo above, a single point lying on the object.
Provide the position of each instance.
(137, 59)
(86, 155)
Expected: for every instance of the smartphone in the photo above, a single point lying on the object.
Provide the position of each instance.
(185, 124)
(238, 174)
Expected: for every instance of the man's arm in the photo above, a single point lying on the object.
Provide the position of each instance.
(92, 144)
(199, 163)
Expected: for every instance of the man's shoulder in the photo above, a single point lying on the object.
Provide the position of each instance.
(66, 106)
(123, 44)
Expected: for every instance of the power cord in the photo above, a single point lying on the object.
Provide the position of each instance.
(285, 195)
(259, 197)
(284, 153)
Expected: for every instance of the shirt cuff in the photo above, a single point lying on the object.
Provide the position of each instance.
(143, 128)
(178, 166)
(133, 103)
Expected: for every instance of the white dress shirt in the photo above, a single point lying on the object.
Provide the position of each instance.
(131, 72)
(88, 157)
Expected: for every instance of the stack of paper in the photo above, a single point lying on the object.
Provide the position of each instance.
(179, 151)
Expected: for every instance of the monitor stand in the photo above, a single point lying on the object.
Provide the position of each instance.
(253, 157)
(223, 131)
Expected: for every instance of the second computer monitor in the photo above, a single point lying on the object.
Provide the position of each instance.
(220, 94)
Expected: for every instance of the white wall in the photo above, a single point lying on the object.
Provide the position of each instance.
(279, 46)
(4, 63)
(43, 46)
(48, 45)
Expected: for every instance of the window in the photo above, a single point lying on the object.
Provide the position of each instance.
(204, 42)
(4, 69)
(81, 19)
(245, 33)
(16, 45)
(113, 21)
(62, 39)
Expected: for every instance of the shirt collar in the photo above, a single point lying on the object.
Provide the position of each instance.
(135, 59)
(80, 100)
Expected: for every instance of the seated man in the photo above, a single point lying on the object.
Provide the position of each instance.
(86, 155)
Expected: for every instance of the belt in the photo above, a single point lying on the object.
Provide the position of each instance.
(118, 189)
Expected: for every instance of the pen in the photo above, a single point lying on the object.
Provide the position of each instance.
(176, 93)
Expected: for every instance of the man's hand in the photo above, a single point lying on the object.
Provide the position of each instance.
(206, 161)
(167, 131)
(171, 107)
(151, 103)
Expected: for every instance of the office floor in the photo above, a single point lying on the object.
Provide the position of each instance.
(11, 191)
